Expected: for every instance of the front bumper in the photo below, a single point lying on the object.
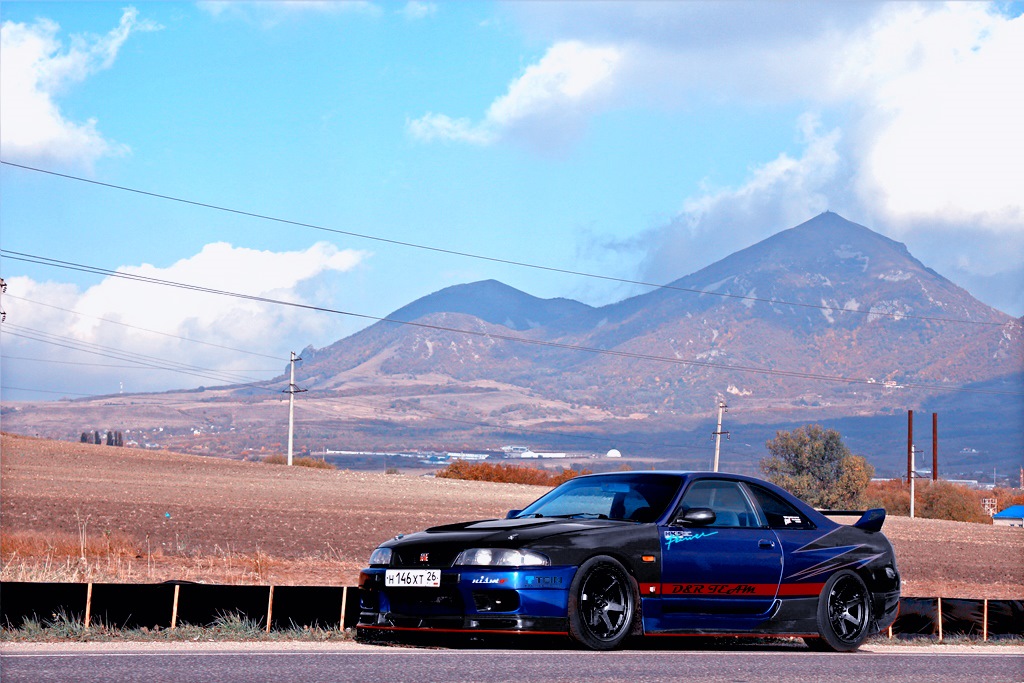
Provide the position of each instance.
(532, 599)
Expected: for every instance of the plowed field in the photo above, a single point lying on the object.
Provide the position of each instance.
(153, 515)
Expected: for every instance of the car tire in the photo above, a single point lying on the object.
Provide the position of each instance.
(603, 604)
(844, 614)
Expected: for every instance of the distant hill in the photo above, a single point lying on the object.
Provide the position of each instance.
(826, 322)
(827, 298)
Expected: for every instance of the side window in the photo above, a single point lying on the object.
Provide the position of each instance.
(726, 498)
(780, 514)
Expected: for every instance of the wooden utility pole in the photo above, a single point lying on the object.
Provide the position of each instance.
(935, 446)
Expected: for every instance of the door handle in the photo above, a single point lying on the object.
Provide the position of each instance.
(766, 544)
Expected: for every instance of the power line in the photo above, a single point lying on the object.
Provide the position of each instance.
(41, 260)
(306, 407)
(143, 329)
(48, 391)
(494, 259)
(139, 359)
(313, 407)
(111, 365)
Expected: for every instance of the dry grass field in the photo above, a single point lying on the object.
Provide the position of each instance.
(78, 512)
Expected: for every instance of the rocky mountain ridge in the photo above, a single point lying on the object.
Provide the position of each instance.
(789, 321)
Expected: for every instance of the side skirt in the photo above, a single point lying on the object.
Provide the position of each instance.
(794, 617)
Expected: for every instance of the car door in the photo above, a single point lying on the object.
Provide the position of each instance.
(729, 568)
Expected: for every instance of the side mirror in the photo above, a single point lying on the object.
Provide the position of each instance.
(697, 517)
(512, 513)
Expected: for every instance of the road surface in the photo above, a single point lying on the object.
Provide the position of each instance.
(313, 662)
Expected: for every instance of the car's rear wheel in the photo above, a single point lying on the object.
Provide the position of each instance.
(602, 604)
(844, 613)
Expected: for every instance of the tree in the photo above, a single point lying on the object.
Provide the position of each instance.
(816, 466)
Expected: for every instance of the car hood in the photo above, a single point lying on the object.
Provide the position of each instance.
(501, 532)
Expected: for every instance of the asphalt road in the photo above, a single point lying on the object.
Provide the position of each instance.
(306, 663)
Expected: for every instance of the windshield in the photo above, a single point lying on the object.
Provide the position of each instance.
(634, 496)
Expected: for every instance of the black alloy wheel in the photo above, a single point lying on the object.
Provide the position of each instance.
(602, 604)
(844, 613)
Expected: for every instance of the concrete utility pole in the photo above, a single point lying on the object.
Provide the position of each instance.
(910, 445)
(718, 432)
(291, 391)
(913, 476)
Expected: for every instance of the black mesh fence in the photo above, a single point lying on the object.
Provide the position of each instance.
(41, 602)
(135, 605)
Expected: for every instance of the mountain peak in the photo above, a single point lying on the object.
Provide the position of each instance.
(494, 302)
(831, 229)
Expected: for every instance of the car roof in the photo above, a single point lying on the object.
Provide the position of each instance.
(818, 518)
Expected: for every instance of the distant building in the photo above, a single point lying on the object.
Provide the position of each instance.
(467, 456)
(1011, 516)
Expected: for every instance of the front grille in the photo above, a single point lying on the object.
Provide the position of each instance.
(410, 557)
(425, 601)
(500, 600)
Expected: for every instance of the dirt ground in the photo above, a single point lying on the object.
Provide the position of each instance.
(208, 519)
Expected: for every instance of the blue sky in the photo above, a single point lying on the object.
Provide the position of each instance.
(638, 140)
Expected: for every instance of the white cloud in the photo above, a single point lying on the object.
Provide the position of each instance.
(944, 139)
(545, 105)
(34, 70)
(304, 277)
(414, 10)
(268, 15)
(925, 97)
(430, 127)
(778, 194)
(927, 90)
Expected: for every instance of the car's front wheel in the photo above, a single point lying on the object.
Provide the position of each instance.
(602, 604)
(844, 613)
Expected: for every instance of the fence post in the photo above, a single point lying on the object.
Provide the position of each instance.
(174, 607)
(88, 604)
(270, 608)
(344, 599)
(984, 622)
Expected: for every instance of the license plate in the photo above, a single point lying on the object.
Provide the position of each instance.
(412, 578)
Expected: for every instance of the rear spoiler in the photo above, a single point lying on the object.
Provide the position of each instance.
(870, 520)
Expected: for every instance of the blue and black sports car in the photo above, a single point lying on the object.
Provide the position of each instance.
(606, 556)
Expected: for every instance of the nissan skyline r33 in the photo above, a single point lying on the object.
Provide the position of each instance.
(606, 556)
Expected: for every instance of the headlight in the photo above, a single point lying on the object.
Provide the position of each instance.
(380, 556)
(500, 557)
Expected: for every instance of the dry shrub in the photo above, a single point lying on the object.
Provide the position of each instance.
(507, 474)
(301, 461)
(893, 495)
(1006, 497)
(933, 500)
(67, 544)
(944, 500)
